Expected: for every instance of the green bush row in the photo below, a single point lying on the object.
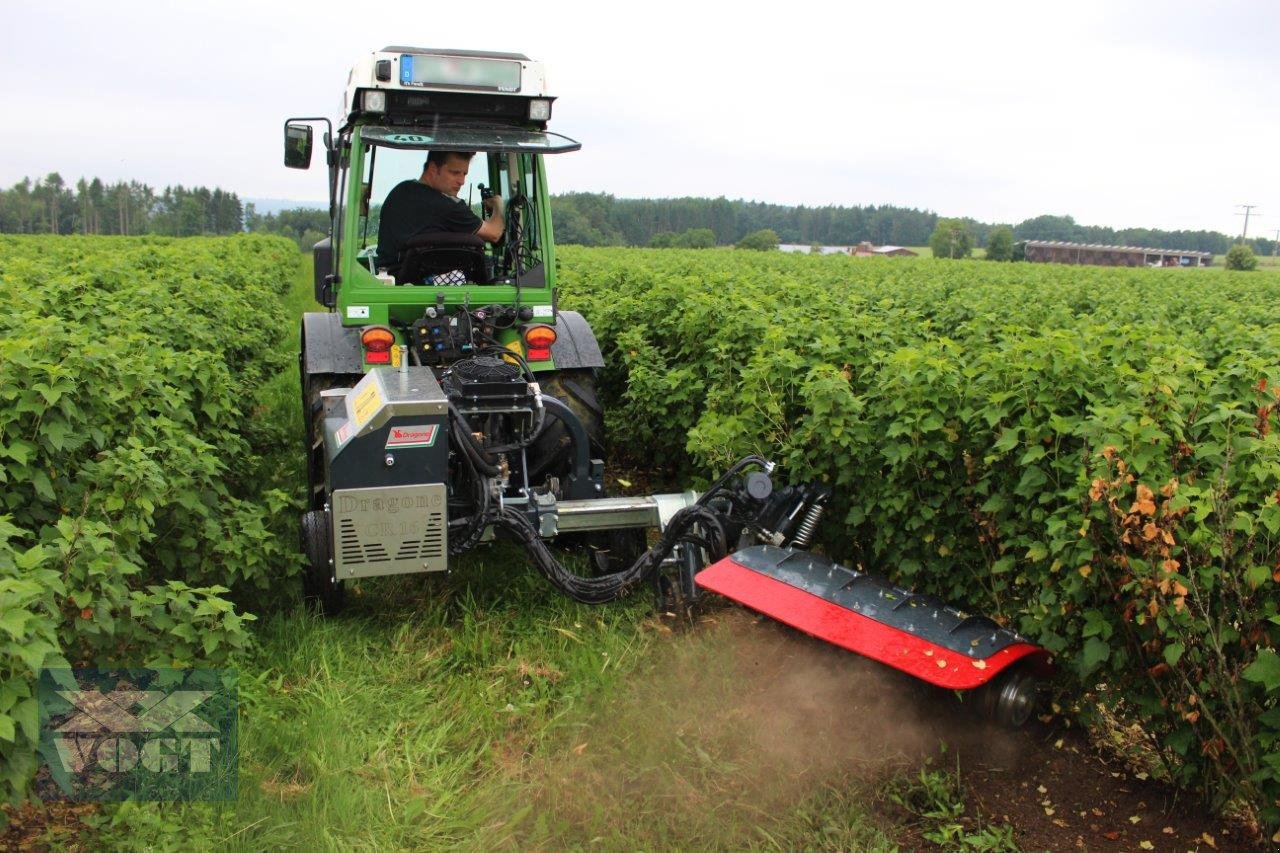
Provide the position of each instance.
(1089, 454)
(130, 445)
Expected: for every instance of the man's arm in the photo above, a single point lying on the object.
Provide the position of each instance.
(491, 229)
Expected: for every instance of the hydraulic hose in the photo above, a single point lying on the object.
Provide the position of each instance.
(610, 587)
(698, 526)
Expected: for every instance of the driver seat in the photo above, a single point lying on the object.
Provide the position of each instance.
(441, 257)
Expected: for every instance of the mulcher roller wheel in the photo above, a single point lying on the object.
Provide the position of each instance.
(1010, 698)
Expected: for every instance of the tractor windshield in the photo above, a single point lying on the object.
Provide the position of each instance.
(510, 171)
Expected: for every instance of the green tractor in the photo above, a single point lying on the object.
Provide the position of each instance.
(449, 398)
(473, 327)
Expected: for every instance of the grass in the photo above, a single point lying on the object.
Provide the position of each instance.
(482, 710)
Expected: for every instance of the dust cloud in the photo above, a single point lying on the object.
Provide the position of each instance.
(739, 723)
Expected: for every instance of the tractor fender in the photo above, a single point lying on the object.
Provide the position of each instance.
(575, 344)
(328, 346)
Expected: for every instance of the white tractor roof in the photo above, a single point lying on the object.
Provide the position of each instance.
(418, 69)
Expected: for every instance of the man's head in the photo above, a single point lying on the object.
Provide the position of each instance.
(446, 171)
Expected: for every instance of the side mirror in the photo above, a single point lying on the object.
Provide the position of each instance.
(297, 146)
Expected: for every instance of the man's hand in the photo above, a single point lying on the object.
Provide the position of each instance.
(491, 229)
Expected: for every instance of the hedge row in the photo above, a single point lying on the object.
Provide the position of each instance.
(130, 448)
(1090, 454)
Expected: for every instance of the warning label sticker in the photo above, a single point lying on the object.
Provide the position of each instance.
(368, 401)
(412, 436)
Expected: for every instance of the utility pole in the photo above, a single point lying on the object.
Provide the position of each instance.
(1274, 243)
(1248, 209)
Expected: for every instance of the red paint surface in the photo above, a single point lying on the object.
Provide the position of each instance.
(841, 627)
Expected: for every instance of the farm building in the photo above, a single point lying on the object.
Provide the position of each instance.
(1053, 252)
(866, 250)
(862, 250)
(808, 249)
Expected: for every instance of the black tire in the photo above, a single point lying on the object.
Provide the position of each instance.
(319, 589)
(549, 455)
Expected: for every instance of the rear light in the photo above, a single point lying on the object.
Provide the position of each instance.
(538, 340)
(377, 339)
(377, 342)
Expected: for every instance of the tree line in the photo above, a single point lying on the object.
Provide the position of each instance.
(599, 219)
(50, 205)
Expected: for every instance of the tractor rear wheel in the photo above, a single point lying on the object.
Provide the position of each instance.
(608, 550)
(550, 453)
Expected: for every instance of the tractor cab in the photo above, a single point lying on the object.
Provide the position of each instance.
(401, 104)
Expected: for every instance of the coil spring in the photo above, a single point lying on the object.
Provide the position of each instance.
(808, 526)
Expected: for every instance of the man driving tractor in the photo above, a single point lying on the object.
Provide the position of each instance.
(431, 204)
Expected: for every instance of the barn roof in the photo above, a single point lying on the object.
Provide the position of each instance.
(1057, 244)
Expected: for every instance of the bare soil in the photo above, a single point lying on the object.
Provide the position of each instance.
(744, 717)
(1046, 781)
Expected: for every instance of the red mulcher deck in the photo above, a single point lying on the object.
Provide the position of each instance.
(865, 614)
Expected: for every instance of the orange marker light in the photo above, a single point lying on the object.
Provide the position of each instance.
(538, 340)
(539, 337)
(377, 339)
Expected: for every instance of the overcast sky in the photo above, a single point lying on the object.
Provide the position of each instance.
(1125, 114)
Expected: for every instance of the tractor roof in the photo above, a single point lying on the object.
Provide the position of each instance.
(414, 86)
(435, 51)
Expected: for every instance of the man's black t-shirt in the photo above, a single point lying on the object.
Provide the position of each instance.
(414, 208)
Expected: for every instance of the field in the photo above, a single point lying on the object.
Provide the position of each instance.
(481, 710)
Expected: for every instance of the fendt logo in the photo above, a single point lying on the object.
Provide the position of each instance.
(138, 734)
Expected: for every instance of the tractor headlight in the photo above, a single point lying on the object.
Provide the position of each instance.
(539, 109)
(373, 101)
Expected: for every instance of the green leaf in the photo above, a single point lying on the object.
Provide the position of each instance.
(40, 482)
(1173, 653)
(1256, 576)
(1096, 651)
(1265, 670)
(14, 622)
(1008, 439)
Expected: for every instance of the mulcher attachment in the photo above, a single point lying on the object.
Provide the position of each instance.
(865, 614)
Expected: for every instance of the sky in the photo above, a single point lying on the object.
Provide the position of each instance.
(1128, 114)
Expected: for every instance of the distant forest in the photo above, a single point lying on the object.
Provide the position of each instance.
(51, 206)
(596, 219)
